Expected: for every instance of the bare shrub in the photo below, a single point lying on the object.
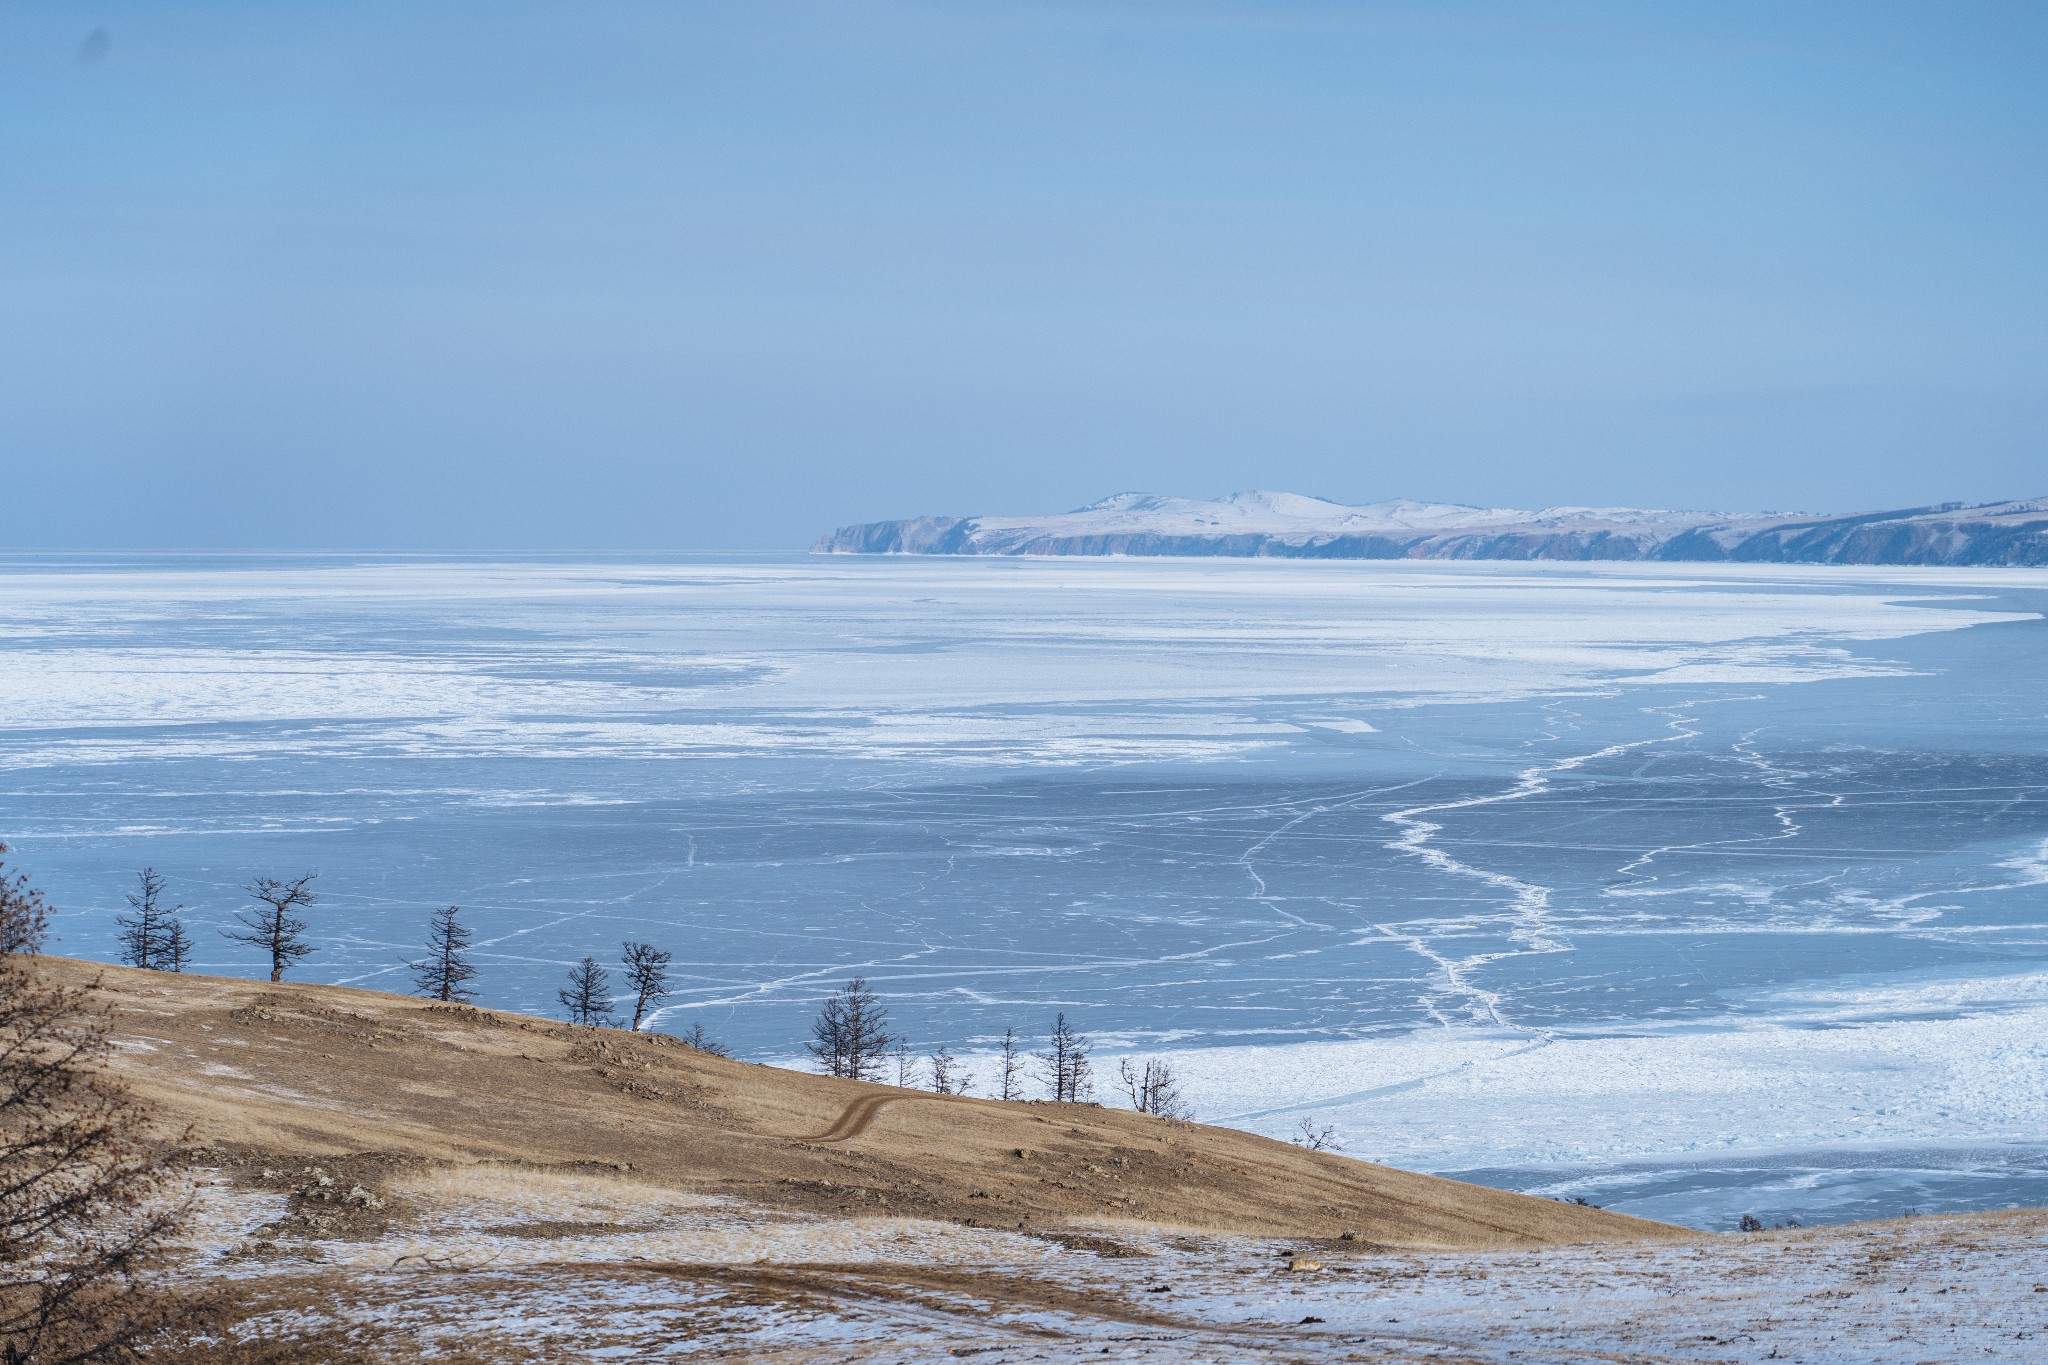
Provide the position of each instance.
(1316, 1137)
(1153, 1089)
(24, 918)
(87, 1200)
(704, 1042)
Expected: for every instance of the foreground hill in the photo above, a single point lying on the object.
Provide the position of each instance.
(1284, 525)
(383, 1179)
(316, 1073)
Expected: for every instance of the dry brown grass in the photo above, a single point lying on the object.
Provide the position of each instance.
(305, 1073)
(386, 1179)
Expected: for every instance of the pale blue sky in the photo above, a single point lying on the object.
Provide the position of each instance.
(723, 275)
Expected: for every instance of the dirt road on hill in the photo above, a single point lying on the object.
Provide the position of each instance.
(856, 1118)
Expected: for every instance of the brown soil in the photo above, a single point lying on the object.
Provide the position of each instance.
(288, 1078)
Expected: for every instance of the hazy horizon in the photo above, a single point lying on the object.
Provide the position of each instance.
(727, 276)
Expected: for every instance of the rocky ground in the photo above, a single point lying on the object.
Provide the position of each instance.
(504, 1264)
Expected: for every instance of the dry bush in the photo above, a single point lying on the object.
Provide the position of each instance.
(87, 1200)
(1154, 1089)
(24, 918)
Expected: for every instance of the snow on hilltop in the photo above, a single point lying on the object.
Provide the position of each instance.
(1289, 525)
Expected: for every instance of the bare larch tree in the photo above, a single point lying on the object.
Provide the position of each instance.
(151, 935)
(588, 996)
(851, 1036)
(24, 918)
(175, 949)
(948, 1076)
(274, 928)
(906, 1065)
(1065, 1064)
(1153, 1089)
(647, 978)
(444, 973)
(704, 1042)
(1010, 1069)
(87, 1200)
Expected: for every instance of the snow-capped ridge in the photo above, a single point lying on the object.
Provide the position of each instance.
(1268, 523)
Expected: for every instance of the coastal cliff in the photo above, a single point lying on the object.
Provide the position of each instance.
(1283, 525)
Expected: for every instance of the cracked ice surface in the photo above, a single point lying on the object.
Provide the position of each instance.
(1698, 890)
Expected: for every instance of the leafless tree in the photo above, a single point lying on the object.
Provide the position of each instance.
(275, 928)
(850, 1036)
(906, 1065)
(704, 1042)
(174, 952)
(647, 978)
(588, 996)
(1153, 1089)
(1065, 1065)
(445, 972)
(1316, 1137)
(24, 918)
(146, 935)
(1010, 1068)
(87, 1201)
(948, 1076)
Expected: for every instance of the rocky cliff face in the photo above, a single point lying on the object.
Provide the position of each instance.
(1286, 526)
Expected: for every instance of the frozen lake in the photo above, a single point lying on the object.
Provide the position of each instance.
(1695, 890)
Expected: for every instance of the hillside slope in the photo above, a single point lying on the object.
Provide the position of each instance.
(378, 1178)
(322, 1073)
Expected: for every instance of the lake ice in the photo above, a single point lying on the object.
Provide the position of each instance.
(1695, 890)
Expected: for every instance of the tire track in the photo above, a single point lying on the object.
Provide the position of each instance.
(855, 1118)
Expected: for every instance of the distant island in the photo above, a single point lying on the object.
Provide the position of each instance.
(1289, 526)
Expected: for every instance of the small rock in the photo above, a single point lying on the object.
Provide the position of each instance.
(1350, 1237)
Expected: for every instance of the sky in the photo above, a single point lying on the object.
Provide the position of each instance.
(696, 275)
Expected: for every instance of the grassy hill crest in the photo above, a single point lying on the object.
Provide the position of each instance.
(296, 1072)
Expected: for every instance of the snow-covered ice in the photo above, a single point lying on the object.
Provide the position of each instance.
(1692, 888)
